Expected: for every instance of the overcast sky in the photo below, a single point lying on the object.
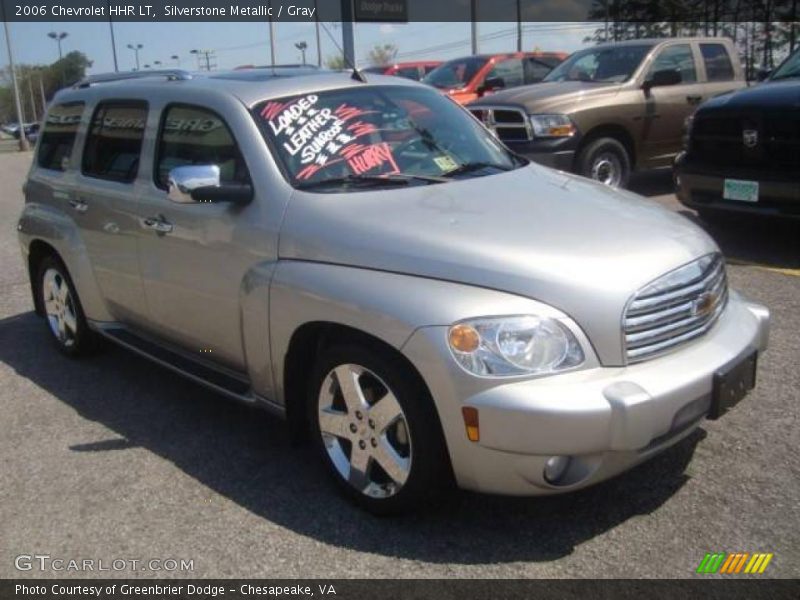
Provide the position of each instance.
(248, 43)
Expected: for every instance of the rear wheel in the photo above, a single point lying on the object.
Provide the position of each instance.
(607, 161)
(377, 430)
(63, 312)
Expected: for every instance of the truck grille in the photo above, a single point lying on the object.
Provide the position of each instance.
(675, 308)
(773, 143)
(508, 124)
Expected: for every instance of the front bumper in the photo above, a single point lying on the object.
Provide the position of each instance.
(606, 419)
(700, 188)
(557, 153)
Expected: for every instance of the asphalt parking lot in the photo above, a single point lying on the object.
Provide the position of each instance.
(115, 458)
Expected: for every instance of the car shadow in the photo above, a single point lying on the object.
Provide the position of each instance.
(248, 457)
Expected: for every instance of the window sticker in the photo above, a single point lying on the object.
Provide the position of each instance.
(445, 163)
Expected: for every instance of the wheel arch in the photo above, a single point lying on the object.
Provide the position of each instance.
(38, 250)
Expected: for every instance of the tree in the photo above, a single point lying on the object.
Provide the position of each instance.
(382, 55)
(336, 62)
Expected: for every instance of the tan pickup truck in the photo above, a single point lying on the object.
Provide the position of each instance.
(613, 108)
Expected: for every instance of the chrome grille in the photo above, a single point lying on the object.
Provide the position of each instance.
(675, 308)
(508, 124)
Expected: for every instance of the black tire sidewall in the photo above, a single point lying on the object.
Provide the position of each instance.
(84, 337)
(605, 144)
(430, 469)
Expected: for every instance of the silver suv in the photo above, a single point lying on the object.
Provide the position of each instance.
(365, 259)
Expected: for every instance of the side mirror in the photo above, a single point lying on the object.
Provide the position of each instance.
(201, 183)
(663, 78)
(763, 74)
(491, 84)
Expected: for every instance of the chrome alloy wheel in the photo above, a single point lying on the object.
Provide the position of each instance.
(364, 430)
(607, 169)
(59, 307)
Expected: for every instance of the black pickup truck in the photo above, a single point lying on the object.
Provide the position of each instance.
(743, 149)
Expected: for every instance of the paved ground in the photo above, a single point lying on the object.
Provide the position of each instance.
(115, 458)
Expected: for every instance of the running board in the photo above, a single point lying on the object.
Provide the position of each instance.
(218, 379)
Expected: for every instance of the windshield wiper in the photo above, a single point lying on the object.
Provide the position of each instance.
(471, 167)
(378, 180)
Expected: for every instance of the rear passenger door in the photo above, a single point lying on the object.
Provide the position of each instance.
(105, 204)
(719, 72)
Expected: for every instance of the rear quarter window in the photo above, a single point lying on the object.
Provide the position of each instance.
(58, 137)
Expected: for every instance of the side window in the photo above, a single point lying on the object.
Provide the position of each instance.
(535, 70)
(676, 58)
(58, 137)
(718, 63)
(510, 71)
(191, 135)
(429, 68)
(408, 73)
(114, 142)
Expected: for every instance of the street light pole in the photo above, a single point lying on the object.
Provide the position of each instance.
(136, 49)
(302, 47)
(58, 36)
(23, 139)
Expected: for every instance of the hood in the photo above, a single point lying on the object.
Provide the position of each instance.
(558, 96)
(765, 96)
(574, 244)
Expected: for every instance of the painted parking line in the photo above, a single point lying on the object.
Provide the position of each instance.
(746, 263)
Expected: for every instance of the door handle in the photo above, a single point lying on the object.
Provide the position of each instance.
(79, 205)
(157, 224)
(694, 99)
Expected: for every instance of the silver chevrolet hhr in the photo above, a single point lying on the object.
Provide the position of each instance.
(365, 259)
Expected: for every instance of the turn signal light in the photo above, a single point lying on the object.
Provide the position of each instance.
(471, 423)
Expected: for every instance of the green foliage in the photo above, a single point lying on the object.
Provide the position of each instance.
(382, 55)
(35, 79)
(336, 62)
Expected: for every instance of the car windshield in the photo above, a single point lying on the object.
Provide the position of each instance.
(372, 136)
(455, 73)
(789, 69)
(613, 64)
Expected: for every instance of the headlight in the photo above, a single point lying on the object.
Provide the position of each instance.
(507, 346)
(552, 126)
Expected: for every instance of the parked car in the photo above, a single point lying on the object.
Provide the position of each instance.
(31, 131)
(743, 149)
(613, 108)
(471, 77)
(415, 70)
(367, 260)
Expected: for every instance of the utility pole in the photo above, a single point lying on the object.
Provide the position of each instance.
(33, 99)
(519, 25)
(41, 91)
(473, 9)
(316, 26)
(113, 41)
(23, 139)
(204, 56)
(272, 37)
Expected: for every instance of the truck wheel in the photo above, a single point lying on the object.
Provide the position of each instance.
(605, 160)
(377, 430)
(65, 319)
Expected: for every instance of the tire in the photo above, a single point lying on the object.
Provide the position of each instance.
(400, 454)
(63, 311)
(605, 160)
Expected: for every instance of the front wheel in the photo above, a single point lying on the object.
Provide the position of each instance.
(605, 160)
(377, 430)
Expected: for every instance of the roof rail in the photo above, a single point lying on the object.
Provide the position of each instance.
(169, 74)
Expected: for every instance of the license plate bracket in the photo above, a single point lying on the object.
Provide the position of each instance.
(732, 382)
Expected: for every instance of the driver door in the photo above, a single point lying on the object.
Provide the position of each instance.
(667, 107)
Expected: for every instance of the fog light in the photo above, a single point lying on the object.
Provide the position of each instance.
(555, 467)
